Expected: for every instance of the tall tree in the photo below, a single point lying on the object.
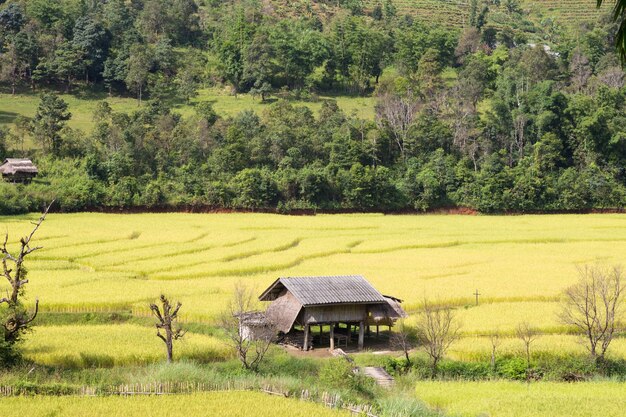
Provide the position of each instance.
(49, 120)
(68, 64)
(10, 66)
(92, 41)
(396, 112)
(299, 48)
(139, 63)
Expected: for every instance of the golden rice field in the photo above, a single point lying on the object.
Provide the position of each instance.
(85, 346)
(104, 262)
(223, 404)
(513, 399)
(479, 348)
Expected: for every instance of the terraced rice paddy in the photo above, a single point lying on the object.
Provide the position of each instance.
(512, 399)
(456, 12)
(223, 404)
(57, 345)
(110, 263)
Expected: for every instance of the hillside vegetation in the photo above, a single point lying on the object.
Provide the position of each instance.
(291, 106)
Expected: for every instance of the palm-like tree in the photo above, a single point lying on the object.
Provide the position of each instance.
(619, 15)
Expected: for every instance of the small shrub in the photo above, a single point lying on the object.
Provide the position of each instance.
(338, 374)
(464, 370)
(512, 368)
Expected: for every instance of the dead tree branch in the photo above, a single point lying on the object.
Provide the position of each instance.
(17, 318)
(249, 332)
(166, 316)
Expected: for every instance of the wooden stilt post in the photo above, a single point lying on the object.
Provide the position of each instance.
(306, 337)
(349, 332)
(332, 336)
(361, 334)
(377, 331)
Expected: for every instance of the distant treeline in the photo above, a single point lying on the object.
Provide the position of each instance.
(479, 119)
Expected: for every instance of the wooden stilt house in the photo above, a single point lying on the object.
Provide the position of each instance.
(18, 170)
(326, 302)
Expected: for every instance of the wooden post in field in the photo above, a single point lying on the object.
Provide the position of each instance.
(307, 328)
(477, 294)
(332, 336)
(361, 334)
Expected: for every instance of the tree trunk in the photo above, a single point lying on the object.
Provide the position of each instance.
(434, 369)
(170, 354)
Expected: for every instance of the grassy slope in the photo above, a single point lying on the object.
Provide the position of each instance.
(82, 106)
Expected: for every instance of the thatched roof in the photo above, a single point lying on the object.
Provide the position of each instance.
(394, 304)
(310, 291)
(284, 311)
(387, 313)
(12, 166)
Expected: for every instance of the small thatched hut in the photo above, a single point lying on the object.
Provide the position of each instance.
(329, 301)
(18, 170)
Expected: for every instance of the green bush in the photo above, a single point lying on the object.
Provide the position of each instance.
(254, 188)
(512, 368)
(337, 373)
(464, 370)
(14, 198)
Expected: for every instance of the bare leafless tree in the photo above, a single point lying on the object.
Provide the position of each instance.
(397, 113)
(16, 319)
(404, 338)
(167, 315)
(594, 305)
(496, 341)
(612, 77)
(580, 69)
(527, 334)
(438, 329)
(250, 347)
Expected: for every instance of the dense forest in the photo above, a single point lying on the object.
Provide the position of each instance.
(503, 114)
